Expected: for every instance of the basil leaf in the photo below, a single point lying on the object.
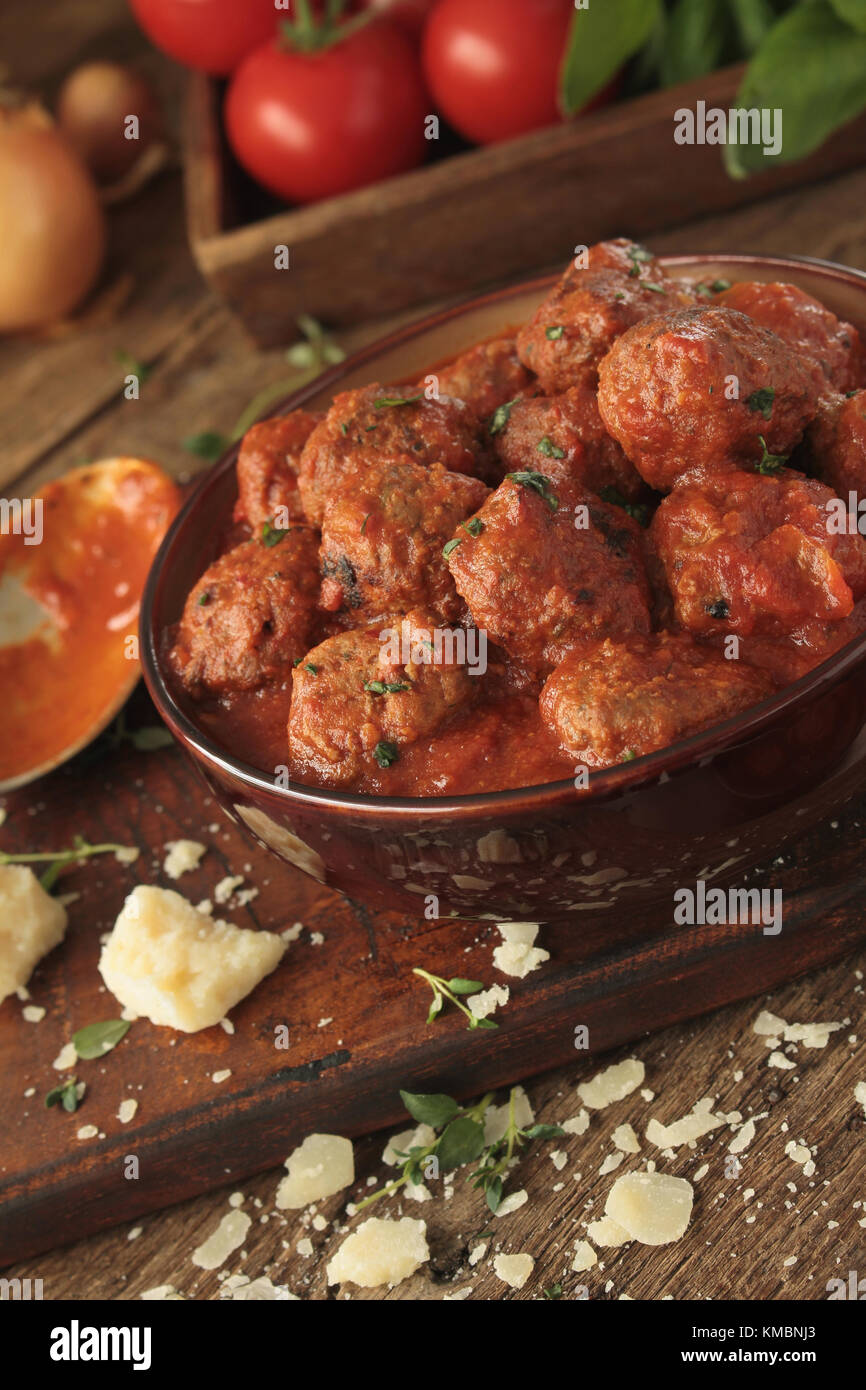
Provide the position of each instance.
(460, 986)
(207, 445)
(752, 19)
(853, 12)
(98, 1038)
(494, 1193)
(811, 65)
(434, 1109)
(461, 1142)
(698, 40)
(602, 38)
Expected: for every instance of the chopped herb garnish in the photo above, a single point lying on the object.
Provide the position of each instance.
(638, 255)
(203, 599)
(712, 287)
(500, 416)
(450, 546)
(133, 366)
(650, 285)
(718, 608)
(386, 754)
(538, 483)
(628, 756)
(98, 1038)
(554, 332)
(619, 295)
(447, 990)
(58, 860)
(208, 445)
(344, 428)
(769, 463)
(553, 1292)
(386, 401)
(368, 429)
(297, 661)
(66, 1094)
(313, 670)
(364, 522)
(386, 687)
(762, 400)
(475, 526)
(638, 511)
(272, 535)
(549, 449)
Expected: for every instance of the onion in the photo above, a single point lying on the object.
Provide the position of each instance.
(52, 229)
(93, 109)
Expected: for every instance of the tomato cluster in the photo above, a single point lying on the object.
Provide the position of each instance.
(325, 96)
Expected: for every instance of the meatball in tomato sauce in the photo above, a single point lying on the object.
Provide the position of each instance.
(486, 377)
(620, 698)
(564, 436)
(541, 572)
(751, 553)
(382, 539)
(835, 444)
(267, 469)
(590, 306)
(361, 696)
(398, 423)
(815, 334)
(250, 615)
(700, 390)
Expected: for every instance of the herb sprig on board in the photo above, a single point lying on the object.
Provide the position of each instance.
(447, 991)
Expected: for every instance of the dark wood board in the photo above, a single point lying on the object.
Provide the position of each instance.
(191, 1134)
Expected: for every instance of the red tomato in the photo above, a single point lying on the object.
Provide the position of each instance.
(311, 125)
(493, 65)
(213, 35)
(411, 15)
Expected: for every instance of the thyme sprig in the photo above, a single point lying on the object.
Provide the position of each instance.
(447, 991)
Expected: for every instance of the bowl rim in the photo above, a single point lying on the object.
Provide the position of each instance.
(603, 783)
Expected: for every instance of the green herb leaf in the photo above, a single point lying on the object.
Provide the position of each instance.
(708, 287)
(451, 546)
(203, 599)
(699, 37)
(553, 1292)
(460, 986)
(208, 445)
(66, 1095)
(538, 483)
(272, 535)
(628, 756)
(461, 1142)
(762, 400)
(853, 12)
(602, 38)
(436, 1007)
(387, 687)
(433, 1109)
(499, 418)
(769, 463)
(385, 402)
(549, 449)
(543, 1132)
(493, 1193)
(474, 527)
(812, 66)
(638, 511)
(133, 366)
(98, 1038)
(554, 332)
(650, 285)
(386, 754)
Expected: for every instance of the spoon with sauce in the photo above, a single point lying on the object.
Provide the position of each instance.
(73, 563)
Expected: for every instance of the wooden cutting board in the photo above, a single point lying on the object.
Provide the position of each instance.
(354, 1012)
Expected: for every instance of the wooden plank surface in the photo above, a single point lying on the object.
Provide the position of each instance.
(204, 374)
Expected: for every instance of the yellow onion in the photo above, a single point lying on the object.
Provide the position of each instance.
(52, 228)
(93, 110)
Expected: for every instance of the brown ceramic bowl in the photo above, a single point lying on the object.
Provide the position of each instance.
(705, 808)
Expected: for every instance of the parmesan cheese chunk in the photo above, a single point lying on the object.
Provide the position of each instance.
(487, 1001)
(654, 1208)
(518, 956)
(685, 1131)
(380, 1252)
(860, 1094)
(171, 964)
(767, 1024)
(322, 1165)
(229, 1236)
(625, 1138)
(612, 1084)
(513, 1270)
(606, 1233)
(419, 1138)
(32, 923)
(584, 1257)
(183, 856)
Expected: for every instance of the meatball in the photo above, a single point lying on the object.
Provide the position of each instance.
(249, 616)
(382, 539)
(617, 699)
(540, 575)
(397, 423)
(835, 443)
(361, 696)
(486, 376)
(698, 390)
(589, 308)
(830, 344)
(565, 437)
(267, 469)
(748, 553)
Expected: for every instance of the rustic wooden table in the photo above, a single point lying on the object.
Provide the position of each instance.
(765, 1232)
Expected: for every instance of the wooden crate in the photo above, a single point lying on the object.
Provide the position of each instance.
(469, 221)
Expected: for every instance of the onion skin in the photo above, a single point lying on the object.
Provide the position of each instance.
(92, 106)
(52, 227)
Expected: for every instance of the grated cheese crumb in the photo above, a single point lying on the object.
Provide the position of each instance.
(126, 1111)
(322, 1165)
(183, 856)
(513, 1270)
(229, 1236)
(612, 1084)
